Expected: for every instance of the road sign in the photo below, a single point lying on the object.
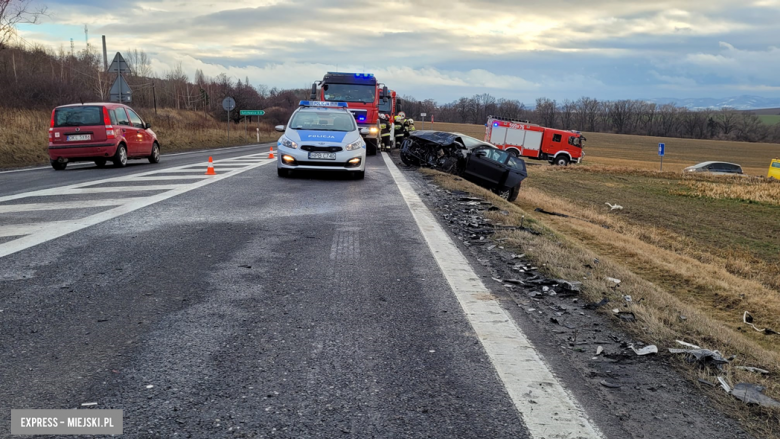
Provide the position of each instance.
(228, 103)
(251, 112)
(661, 149)
(423, 114)
(120, 91)
(118, 65)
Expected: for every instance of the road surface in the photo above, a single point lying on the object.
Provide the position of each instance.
(247, 305)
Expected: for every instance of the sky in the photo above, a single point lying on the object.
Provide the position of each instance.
(445, 49)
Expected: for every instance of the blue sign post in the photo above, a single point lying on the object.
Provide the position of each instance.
(661, 151)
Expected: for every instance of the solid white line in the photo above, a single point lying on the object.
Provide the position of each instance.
(164, 177)
(547, 409)
(66, 227)
(108, 190)
(34, 207)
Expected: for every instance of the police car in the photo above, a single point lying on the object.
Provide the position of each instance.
(321, 136)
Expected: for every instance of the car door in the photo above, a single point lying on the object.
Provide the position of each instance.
(143, 146)
(487, 166)
(129, 132)
(517, 172)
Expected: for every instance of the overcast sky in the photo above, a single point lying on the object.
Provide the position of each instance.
(444, 49)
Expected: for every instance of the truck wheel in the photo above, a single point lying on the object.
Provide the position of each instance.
(561, 160)
(513, 152)
(58, 166)
(370, 147)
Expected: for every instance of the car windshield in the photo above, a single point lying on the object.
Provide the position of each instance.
(323, 121)
(349, 93)
(78, 116)
(470, 142)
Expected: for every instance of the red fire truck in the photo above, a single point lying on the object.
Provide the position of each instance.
(523, 139)
(363, 95)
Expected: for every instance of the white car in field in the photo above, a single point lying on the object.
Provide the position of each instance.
(321, 136)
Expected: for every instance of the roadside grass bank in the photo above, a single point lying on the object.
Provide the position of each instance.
(24, 133)
(641, 152)
(681, 289)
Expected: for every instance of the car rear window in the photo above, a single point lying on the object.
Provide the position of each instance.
(78, 116)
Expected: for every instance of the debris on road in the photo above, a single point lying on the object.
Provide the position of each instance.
(748, 320)
(705, 357)
(626, 316)
(599, 350)
(609, 385)
(613, 280)
(688, 345)
(703, 381)
(614, 207)
(647, 350)
(149, 386)
(596, 305)
(753, 369)
(752, 394)
(724, 384)
(540, 210)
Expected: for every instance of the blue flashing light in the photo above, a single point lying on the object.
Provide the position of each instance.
(323, 104)
(495, 124)
(364, 75)
(362, 118)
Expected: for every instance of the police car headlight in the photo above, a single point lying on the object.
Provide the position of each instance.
(357, 144)
(284, 141)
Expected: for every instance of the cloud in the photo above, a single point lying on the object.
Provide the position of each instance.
(446, 48)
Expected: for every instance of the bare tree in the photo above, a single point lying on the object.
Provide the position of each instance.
(15, 12)
(545, 112)
(567, 114)
(727, 118)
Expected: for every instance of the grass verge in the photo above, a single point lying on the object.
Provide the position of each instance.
(680, 291)
(24, 134)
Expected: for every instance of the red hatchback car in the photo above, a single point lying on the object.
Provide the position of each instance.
(100, 132)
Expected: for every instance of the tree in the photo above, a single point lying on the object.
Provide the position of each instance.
(545, 112)
(14, 12)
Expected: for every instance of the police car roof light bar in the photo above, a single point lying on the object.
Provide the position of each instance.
(323, 104)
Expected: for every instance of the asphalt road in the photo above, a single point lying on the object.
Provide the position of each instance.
(255, 306)
(248, 305)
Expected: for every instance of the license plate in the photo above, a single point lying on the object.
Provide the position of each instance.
(322, 155)
(79, 137)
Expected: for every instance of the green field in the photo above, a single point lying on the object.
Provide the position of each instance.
(770, 119)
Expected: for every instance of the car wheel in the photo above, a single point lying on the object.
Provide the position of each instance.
(562, 160)
(120, 158)
(100, 163)
(58, 166)
(359, 175)
(155, 157)
(281, 172)
(513, 193)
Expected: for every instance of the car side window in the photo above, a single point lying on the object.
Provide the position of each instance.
(112, 116)
(516, 163)
(135, 119)
(121, 117)
(496, 155)
(557, 138)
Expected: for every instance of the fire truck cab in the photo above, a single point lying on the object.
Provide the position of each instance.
(363, 95)
(524, 139)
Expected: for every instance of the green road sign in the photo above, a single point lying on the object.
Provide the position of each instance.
(252, 112)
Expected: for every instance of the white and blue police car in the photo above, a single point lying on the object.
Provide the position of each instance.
(321, 136)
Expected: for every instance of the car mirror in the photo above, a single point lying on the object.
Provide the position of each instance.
(279, 128)
(364, 131)
(148, 125)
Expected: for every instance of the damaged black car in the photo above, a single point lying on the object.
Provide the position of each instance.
(475, 160)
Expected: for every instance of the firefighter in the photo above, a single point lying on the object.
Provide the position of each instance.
(384, 125)
(400, 132)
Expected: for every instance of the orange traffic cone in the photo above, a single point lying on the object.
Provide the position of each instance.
(210, 171)
(271, 153)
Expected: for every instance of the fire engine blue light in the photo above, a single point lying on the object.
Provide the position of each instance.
(364, 75)
(322, 104)
(362, 118)
(495, 124)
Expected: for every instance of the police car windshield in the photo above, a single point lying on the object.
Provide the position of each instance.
(350, 93)
(323, 121)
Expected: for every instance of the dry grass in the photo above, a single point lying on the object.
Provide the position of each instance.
(24, 133)
(760, 191)
(641, 152)
(665, 284)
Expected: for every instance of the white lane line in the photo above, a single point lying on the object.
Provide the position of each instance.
(108, 190)
(200, 170)
(83, 204)
(26, 229)
(165, 177)
(202, 151)
(66, 227)
(548, 410)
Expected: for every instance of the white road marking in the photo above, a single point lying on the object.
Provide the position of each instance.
(548, 410)
(165, 177)
(83, 204)
(42, 232)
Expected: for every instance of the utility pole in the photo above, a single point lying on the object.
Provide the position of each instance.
(154, 95)
(105, 55)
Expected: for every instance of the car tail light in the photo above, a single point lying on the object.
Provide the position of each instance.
(109, 128)
(51, 126)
